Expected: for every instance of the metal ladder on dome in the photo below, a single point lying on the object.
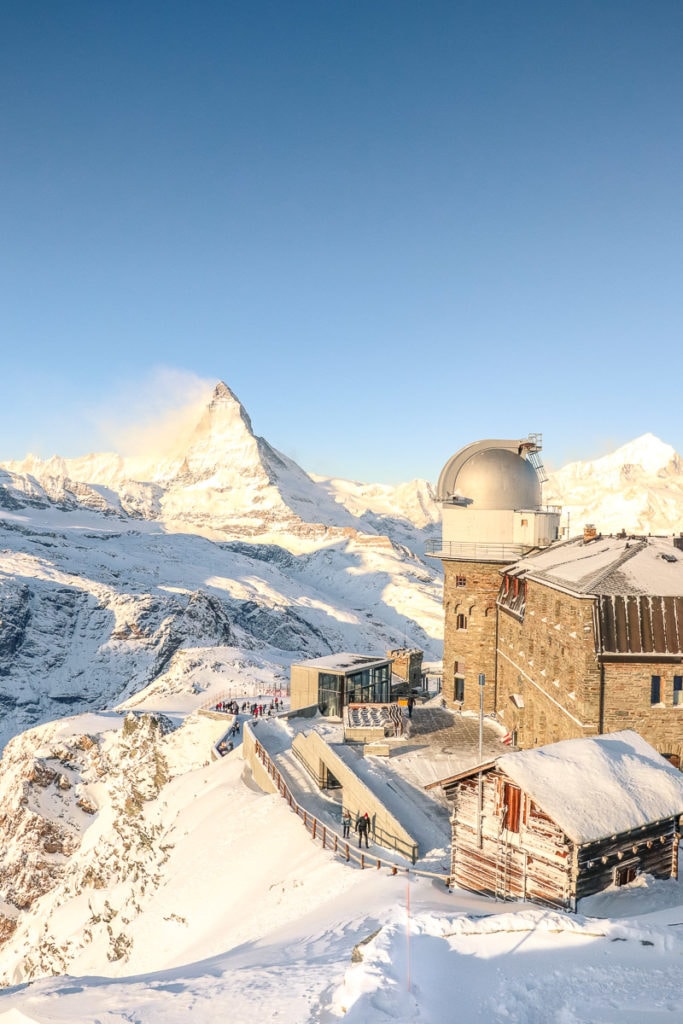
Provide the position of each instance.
(534, 457)
(532, 448)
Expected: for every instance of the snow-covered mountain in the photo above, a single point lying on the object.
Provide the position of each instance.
(113, 568)
(638, 488)
(225, 482)
(117, 573)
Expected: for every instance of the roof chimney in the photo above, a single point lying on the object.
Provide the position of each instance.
(589, 533)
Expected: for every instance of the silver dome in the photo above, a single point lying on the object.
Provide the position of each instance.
(491, 475)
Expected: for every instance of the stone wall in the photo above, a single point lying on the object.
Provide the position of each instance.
(470, 589)
(407, 664)
(549, 664)
(627, 703)
(548, 685)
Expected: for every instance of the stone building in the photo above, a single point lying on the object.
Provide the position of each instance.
(490, 493)
(407, 666)
(590, 640)
(576, 637)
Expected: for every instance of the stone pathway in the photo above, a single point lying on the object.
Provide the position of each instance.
(441, 743)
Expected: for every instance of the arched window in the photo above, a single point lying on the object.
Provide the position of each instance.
(461, 621)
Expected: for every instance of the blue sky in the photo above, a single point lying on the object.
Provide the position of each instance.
(391, 228)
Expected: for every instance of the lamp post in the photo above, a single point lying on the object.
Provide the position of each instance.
(480, 791)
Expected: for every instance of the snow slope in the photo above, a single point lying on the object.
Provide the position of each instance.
(207, 900)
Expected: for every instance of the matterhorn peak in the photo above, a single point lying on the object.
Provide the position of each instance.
(223, 437)
(225, 402)
(222, 393)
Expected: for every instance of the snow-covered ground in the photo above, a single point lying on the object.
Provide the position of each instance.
(248, 918)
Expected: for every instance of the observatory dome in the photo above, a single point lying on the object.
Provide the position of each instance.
(491, 477)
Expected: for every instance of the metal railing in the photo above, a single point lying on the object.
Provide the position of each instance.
(236, 693)
(479, 551)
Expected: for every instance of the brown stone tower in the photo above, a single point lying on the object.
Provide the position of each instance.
(407, 665)
(492, 514)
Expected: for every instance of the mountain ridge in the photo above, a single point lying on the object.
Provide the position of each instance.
(227, 482)
(637, 489)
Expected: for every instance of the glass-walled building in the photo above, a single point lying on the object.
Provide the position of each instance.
(336, 680)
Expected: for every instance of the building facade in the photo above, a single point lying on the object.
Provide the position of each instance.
(562, 822)
(574, 637)
(337, 680)
(492, 512)
(592, 642)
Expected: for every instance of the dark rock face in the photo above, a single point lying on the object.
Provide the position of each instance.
(282, 628)
(8, 501)
(15, 614)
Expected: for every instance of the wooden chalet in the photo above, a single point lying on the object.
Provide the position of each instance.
(567, 820)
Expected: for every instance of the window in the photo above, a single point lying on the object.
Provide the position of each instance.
(460, 581)
(368, 686)
(459, 690)
(655, 689)
(525, 522)
(461, 621)
(512, 797)
(330, 694)
(625, 873)
(678, 690)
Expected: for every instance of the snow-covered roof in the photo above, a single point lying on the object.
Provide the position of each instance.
(343, 662)
(598, 786)
(609, 565)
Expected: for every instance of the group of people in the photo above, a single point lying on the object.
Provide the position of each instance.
(230, 707)
(259, 710)
(362, 826)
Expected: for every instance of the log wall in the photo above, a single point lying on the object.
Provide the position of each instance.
(534, 863)
(538, 861)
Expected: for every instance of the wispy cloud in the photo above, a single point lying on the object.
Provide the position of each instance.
(153, 416)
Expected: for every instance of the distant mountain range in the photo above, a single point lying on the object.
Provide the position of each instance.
(638, 488)
(118, 574)
(225, 483)
(228, 483)
(227, 559)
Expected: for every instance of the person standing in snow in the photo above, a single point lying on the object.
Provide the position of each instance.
(362, 828)
(346, 823)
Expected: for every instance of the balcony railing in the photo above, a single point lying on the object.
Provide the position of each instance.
(477, 551)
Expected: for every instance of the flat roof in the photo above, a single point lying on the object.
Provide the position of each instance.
(343, 662)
